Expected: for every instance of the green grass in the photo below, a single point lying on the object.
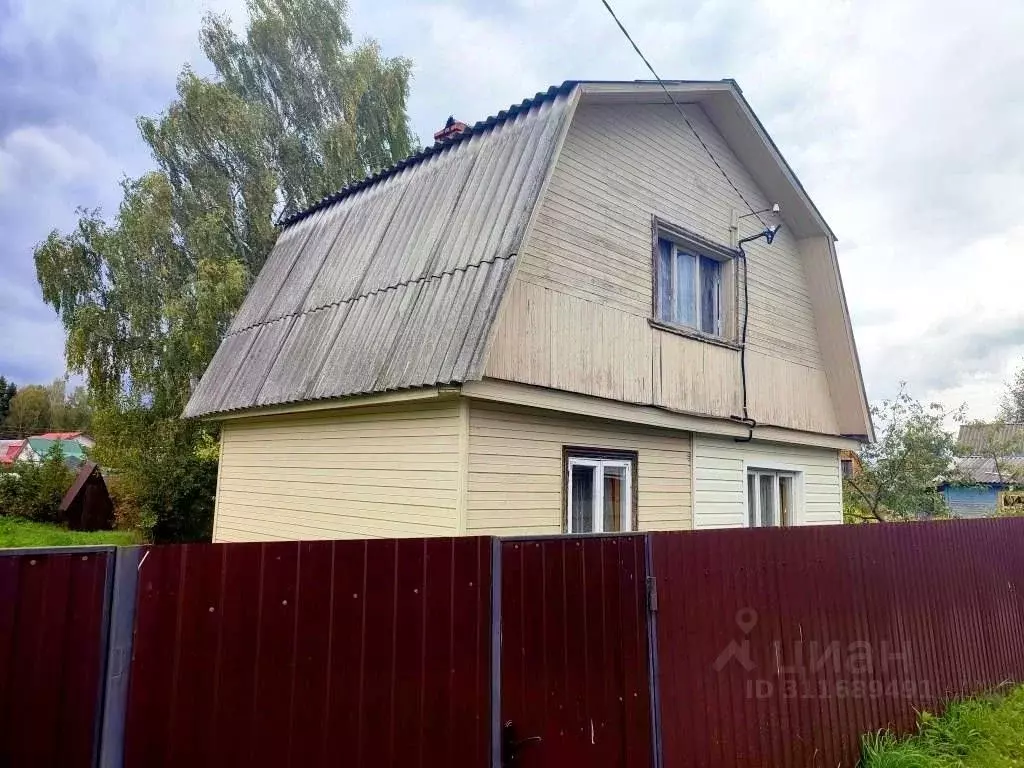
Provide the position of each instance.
(976, 733)
(17, 532)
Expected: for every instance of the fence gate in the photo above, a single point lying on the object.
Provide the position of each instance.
(574, 682)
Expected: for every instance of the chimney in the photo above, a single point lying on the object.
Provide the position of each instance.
(452, 128)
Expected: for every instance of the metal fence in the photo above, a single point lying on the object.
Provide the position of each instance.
(52, 654)
(784, 646)
(716, 649)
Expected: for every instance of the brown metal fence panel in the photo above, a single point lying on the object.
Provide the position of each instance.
(784, 647)
(574, 651)
(51, 643)
(353, 653)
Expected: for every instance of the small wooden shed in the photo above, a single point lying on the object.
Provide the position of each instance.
(87, 505)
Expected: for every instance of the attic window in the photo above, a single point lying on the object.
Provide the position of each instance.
(691, 285)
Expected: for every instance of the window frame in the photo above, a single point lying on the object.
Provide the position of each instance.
(795, 477)
(588, 456)
(728, 300)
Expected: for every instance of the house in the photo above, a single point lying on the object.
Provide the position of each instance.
(545, 323)
(81, 438)
(36, 449)
(87, 505)
(849, 463)
(9, 450)
(992, 465)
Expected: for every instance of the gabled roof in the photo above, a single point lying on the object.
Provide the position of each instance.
(393, 282)
(983, 471)
(43, 445)
(9, 450)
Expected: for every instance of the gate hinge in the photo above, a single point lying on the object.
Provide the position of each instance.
(652, 593)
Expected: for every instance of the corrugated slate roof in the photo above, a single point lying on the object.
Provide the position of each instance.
(395, 281)
(982, 437)
(978, 469)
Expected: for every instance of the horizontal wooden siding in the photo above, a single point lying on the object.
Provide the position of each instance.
(719, 480)
(515, 469)
(373, 473)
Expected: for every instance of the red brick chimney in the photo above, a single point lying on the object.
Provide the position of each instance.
(451, 129)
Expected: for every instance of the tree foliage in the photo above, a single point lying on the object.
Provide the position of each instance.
(1011, 409)
(35, 490)
(295, 111)
(35, 409)
(899, 472)
(8, 389)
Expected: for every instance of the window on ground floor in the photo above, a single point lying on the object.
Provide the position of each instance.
(770, 498)
(599, 490)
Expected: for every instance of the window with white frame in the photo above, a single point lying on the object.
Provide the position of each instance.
(771, 498)
(688, 287)
(599, 490)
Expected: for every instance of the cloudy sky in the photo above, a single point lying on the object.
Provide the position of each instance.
(904, 120)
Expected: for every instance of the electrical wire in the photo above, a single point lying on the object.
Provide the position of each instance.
(682, 113)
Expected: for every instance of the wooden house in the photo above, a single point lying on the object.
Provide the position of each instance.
(574, 316)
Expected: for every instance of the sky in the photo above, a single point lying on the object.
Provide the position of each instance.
(904, 121)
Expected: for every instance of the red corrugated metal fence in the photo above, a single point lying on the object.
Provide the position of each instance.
(574, 651)
(784, 646)
(354, 653)
(51, 646)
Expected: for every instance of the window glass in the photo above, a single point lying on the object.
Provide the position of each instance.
(685, 289)
(710, 295)
(752, 499)
(600, 493)
(614, 498)
(688, 288)
(766, 495)
(582, 501)
(785, 500)
(664, 280)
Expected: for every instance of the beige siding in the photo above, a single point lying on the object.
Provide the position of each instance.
(516, 473)
(384, 472)
(719, 480)
(576, 316)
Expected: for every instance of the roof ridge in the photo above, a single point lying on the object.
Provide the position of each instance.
(481, 126)
(374, 292)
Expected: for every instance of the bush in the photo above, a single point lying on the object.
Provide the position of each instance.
(34, 491)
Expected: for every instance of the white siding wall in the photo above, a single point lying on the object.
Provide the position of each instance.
(368, 473)
(719, 480)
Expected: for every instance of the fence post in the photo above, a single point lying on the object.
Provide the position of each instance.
(120, 632)
(496, 733)
(652, 650)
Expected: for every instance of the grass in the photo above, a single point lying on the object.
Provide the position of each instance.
(17, 532)
(976, 733)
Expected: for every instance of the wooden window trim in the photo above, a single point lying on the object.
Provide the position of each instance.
(702, 246)
(588, 452)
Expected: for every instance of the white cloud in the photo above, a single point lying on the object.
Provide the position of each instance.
(903, 120)
(40, 156)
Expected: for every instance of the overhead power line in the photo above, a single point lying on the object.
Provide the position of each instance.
(682, 113)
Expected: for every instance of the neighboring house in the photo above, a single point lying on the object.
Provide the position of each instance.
(850, 463)
(37, 448)
(9, 450)
(992, 464)
(536, 326)
(79, 437)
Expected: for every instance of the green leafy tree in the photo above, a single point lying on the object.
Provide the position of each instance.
(897, 479)
(35, 490)
(8, 389)
(294, 112)
(29, 412)
(1011, 409)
